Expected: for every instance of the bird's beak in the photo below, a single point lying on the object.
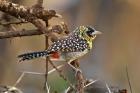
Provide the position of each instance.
(97, 33)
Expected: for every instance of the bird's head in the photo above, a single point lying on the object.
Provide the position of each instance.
(88, 32)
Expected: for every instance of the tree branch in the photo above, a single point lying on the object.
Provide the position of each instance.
(79, 77)
(20, 33)
(28, 14)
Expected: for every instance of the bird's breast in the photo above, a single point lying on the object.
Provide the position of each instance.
(75, 55)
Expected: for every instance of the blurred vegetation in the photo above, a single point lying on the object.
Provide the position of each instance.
(117, 46)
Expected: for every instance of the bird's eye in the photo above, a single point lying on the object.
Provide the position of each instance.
(90, 32)
(91, 29)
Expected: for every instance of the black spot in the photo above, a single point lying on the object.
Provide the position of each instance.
(90, 31)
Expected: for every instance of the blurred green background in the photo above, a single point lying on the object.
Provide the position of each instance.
(119, 20)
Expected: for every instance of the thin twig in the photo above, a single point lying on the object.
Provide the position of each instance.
(19, 33)
(58, 67)
(47, 88)
(109, 91)
(19, 79)
(37, 73)
(15, 23)
(90, 83)
(23, 32)
(33, 73)
(46, 66)
(129, 82)
(69, 90)
(46, 47)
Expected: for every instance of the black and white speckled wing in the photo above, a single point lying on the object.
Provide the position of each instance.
(70, 44)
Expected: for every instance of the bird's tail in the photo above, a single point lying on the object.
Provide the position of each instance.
(32, 55)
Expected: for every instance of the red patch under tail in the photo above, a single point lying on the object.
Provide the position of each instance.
(55, 55)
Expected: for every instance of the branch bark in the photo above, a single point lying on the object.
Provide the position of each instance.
(79, 77)
(21, 33)
(28, 14)
(38, 17)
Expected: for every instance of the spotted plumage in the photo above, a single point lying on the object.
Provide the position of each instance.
(77, 44)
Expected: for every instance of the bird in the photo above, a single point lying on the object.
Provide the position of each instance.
(78, 43)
